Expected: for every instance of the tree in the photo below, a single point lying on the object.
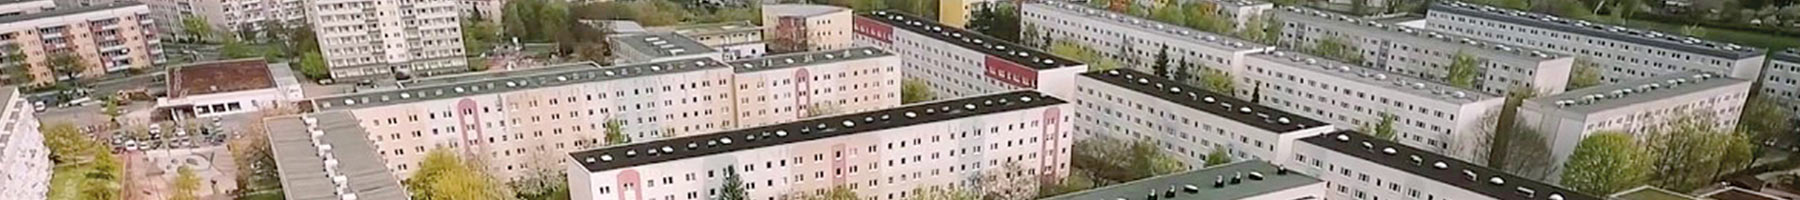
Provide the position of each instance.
(1689, 152)
(1204, 16)
(84, 168)
(186, 185)
(1007, 182)
(478, 37)
(544, 179)
(1527, 152)
(1584, 73)
(1218, 156)
(1094, 60)
(733, 187)
(444, 176)
(1184, 71)
(915, 90)
(1385, 128)
(1218, 81)
(1161, 66)
(614, 134)
(1261, 28)
(196, 27)
(1763, 119)
(1507, 120)
(12, 55)
(254, 159)
(940, 193)
(1464, 70)
(821, 109)
(1337, 48)
(1605, 163)
(312, 65)
(1171, 14)
(1148, 158)
(1000, 20)
(67, 65)
(1077, 180)
(235, 49)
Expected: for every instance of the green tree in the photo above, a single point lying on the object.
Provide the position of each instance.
(234, 49)
(940, 193)
(196, 27)
(1385, 128)
(999, 20)
(478, 37)
(915, 90)
(1218, 156)
(614, 134)
(835, 193)
(1504, 124)
(1527, 149)
(67, 65)
(84, 168)
(186, 185)
(733, 188)
(1077, 180)
(1183, 72)
(1262, 29)
(1161, 66)
(255, 161)
(1763, 119)
(445, 176)
(12, 59)
(312, 65)
(1094, 60)
(1170, 14)
(1150, 160)
(1583, 74)
(1204, 16)
(1689, 153)
(1337, 48)
(1219, 81)
(1464, 70)
(1605, 163)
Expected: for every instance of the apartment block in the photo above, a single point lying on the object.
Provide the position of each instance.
(107, 38)
(957, 62)
(958, 13)
(1640, 106)
(657, 47)
(1427, 53)
(21, 7)
(26, 172)
(1621, 54)
(487, 10)
(1137, 41)
(226, 17)
(1238, 12)
(1187, 122)
(1427, 114)
(882, 154)
(733, 40)
(1253, 179)
(1781, 81)
(1357, 166)
(367, 39)
(787, 87)
(806, 27)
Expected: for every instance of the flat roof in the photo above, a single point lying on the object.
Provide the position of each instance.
(1238, 180)
(1789, 55)
(710, 28)
(806, 58)
(661, 44)
(1377, 77)
(684, 147)
(1222, 105)
(220, 77)
(1649, 193)
(1655, 39)
(1608, 96)
(1016, 53)
(804, 10)
(1378, 28)
(61, 10)
(492, 84)
(1443, 169)
(303, 171)
(1152, 26)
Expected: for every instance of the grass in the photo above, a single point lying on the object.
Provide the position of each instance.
(1771, 42)
(67, 181)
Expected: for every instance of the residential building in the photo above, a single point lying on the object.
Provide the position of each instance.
(1426, 114)
(21, 7)
(1781, 81)
(210, 89)
(1238, 12)
(1012, 137)
(225, 17)
(957, 62)
(490, 11)
(733, 40)
(26, 173)
(86, 3)
(1136, 42)
(1253, 179)
(1650, 192)
(958, 13)
(367, 39)
(806, 27)
(1499, 68)
(1642, 106)
(1187, 122)
(106, 38)
(1358, 166)
(325, 156)
(657, 47)
(1621, 54)
(787, 87)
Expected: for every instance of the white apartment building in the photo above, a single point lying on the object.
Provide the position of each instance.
(1642, 106)
(226, 17)
(1781, 81)
(1238, 12)
(957, 62)
(1358, 166)
(26, 172)
(1187, 122)
(733, 40)
(883, 154)
(657, 47)
(783, 88)
(1136, 41)
(1622, 54)
(1427, 114)
(1425, 53)
(21, 7)
(1254, 179)
(367, 39)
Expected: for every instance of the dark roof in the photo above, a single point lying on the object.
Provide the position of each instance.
(1021, 54)
(1255, 178)
(1222, 105)
(1642, 37)
(1609, 96)
(1789, 55)
(60, 11)
(1440, 168)
(806, 58)
(1400, 82)
(806, 130)
(303, 169)
(465, 86)
(220, 77)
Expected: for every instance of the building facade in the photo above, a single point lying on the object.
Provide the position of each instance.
(226, 17)
(1018, 136)
(1781, 81)
(21, 7)
(1426, 114)
(365, 39)
(957, 13)
(1238, 12)
(106, 38)
(1254, 179)
(1357, 166)
(787, 87)
(1187, 122)
(1424, 53)
(1136, 42)
(26, 172)
(1620, 54)
(957, 62)
(806, 27)
(1643, 106)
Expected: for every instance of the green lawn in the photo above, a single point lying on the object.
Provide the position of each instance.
(1772, 42)
(67, 181)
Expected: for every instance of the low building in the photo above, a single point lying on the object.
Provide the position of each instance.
(1358, 166)
(228, 87)
(1187, 122)
(106, 38)
(795, 86)
(657, 47)
(1621, 54)
(327, 157)
(25, 173)
(806, 27)
(1012, 137)
(1254, 179)
(1426, 114)
(1136, 41)
(1641, 106)
(957, 62)
(1499, 68)
(733, 40)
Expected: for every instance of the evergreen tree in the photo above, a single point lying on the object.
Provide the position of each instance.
(1161, 65)
(734, 186)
